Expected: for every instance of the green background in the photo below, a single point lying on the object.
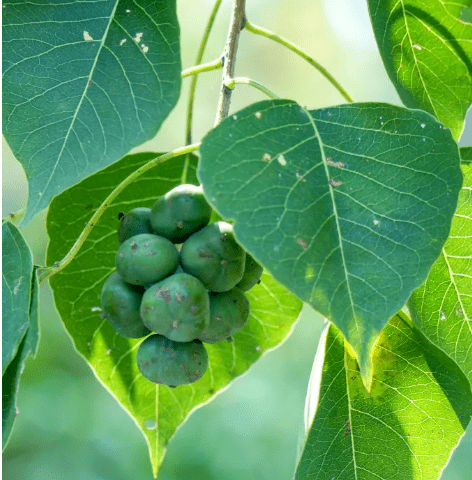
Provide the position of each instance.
(69, 427)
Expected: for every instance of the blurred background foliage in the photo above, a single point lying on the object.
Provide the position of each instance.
(69, 427)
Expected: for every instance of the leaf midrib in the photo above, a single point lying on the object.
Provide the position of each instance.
(336, 216)
(79, 105)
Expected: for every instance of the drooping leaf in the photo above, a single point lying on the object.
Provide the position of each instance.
(83, 83)
(426, 48)
(348, 206)
(11, 377)
(442, 307)
(157, 410)
(406, 428)
(17, 269)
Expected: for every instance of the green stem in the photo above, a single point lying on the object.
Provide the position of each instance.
(291, 46)
(198, 60)
(247, 81)
(47, 272)
(204, 67)
(15, 216)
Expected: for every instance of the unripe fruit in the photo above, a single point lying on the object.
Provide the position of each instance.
(120, 306)
(166, 362)
(252, 274)
(180, 212)
(133, 223)
(178, 307)
(229, 312)
(145, 259)
(213, 256)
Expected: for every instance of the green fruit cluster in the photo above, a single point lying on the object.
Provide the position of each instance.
(181, 295)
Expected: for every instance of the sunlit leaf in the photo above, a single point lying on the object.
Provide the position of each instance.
(442, 307)
(407, 426)
(158, 410)
(426, 48)
(83, 83)
(347, 206)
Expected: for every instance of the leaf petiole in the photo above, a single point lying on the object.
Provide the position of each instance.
(291, 46)
(47, 272)
(198, 60)
(204, 67)
(247, 81)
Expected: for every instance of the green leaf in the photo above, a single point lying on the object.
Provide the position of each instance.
(426, 48)
(84, 83)
(466, 15)
(407, 426)
(348, 206)
(442, 307)
(11, 377)
(17, 272)
(157, 410)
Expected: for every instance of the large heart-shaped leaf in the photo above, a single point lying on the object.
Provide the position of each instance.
(405, 428)
(426, 48)
(11, 377)
(157, 410)
(348, 206)
(17, 266)
(442, 307)
(83, 83)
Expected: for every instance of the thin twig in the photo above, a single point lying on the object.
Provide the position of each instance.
(291, 46)
(198, 60)
(238, 20)
(47, 272)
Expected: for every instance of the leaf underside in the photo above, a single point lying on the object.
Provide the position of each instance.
(348, 206)
(17, 270)
(11, 377)
(83, 83)
(426, 48)
(157, 410)
(406, 428)
(442, 307)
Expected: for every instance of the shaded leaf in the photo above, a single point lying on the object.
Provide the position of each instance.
(442, 307)
(17, 269)
(407, 426)
(83, 83)
(157, 410)
(348, 206)
(11, 377)
(426, 48)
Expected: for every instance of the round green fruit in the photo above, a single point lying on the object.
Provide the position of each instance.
(213, 256)
(252, 274)
(145, 259)
(180, 212)
(178, 307)
(120, 306)
(170, 363)
(229, 312)
(133, 223)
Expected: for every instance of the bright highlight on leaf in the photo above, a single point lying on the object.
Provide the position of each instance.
(426, 48)
(353, 217)
(407, 426)
(158, 410)
(79, 90)
(442, 307)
